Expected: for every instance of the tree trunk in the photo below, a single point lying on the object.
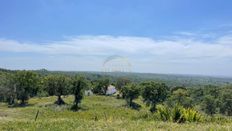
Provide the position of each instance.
(11, 100)
(59, 100)
(22, 102)
(76, 102)
(75, 105)
(153, 108)
(130, 102)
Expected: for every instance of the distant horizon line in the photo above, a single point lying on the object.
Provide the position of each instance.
(180, 74)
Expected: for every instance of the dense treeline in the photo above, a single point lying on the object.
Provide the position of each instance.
(16, 87)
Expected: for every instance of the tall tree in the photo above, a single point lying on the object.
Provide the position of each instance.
(7, 88)
(154, 93)
(57, 85)
(26, 82)
(101, 86)
(209, 105)
(130, 92)
(78, 86)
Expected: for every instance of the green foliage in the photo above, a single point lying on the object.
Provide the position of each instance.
(130, 92)
(7, 88)
(214, 99)
(212, 91)
(196, 94)
(178, 114)
(49, 83)
(154, 93)
(26, 85)
(226, 101)
(209, 105)
(181, 97)
(164, 113)
(121, 82)
(100, 86)
(78, 86)
(57, 85)
(191, 115)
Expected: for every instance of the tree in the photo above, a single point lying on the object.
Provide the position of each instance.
(50, 82)
(7, 88)
(196, 94)
(226, 101)
(121, 82)
(154, 93)
(101, 86)
(57, 85)
(26, 82)
(78, 86)
(130, 92)
(181, 97)
(211, 90)
(209, 105)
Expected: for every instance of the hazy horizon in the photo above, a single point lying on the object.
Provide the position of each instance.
(164, 37)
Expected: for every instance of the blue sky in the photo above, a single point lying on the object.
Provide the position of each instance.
(157, 36)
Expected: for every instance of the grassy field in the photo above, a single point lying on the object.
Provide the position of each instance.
(97, 113)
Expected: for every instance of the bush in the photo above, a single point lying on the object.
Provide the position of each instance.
(178, 114)
(163, 113)
(191, 115)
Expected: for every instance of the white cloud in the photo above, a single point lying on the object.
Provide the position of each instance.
(107, 45)
(172, 52)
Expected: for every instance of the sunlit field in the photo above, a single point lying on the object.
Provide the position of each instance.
(96, 113)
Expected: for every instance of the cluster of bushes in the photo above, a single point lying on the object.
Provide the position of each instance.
(156, 94)
(208, 99)
(17, 87)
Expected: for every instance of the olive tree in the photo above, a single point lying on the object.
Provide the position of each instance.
(78, 86)
(153, 93)
(130, 92)
(100, 86)
(26, 82)
(7, 88)
(57, 85)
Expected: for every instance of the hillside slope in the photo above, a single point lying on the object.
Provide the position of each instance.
(97, 113)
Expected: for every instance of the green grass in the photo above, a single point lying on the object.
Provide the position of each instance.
(97, 113)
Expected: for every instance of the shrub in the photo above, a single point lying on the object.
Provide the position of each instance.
(178, 114)
(191, 115)
(163, 113)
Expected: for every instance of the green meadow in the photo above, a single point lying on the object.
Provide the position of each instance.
(96, 113)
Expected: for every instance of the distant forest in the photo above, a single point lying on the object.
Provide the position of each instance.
(211, 95)
(170, 79)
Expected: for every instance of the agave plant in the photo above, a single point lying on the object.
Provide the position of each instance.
(163, 112)
(177, 114)
(191, 115)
